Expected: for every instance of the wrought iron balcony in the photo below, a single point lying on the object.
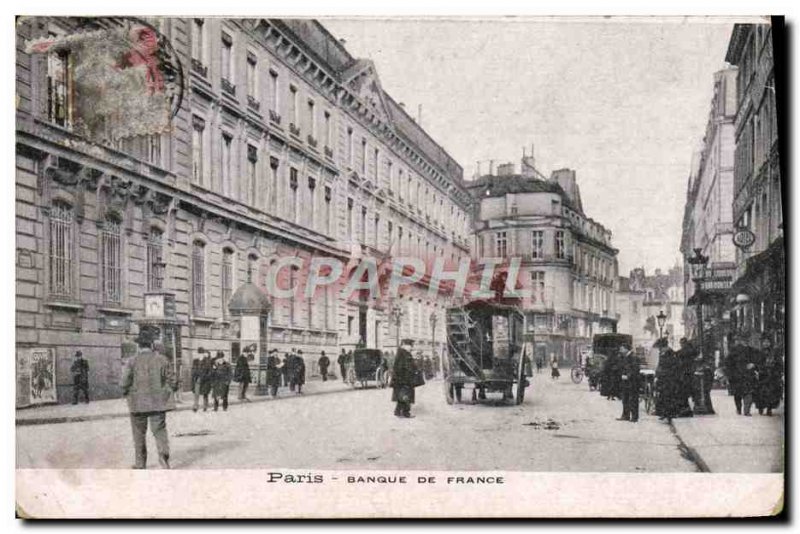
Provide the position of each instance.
(294, 129)
(199, 68)
(228, 87)
(329, 152)
(311, 141)
(274, 117)
(253, 104)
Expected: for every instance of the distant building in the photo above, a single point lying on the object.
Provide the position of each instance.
(567, 259)
(641, 298)
(708, 216)
(759, 288)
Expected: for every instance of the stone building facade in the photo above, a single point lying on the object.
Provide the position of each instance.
(568, 263)
(758, 294)
(708, 215)
(642, 297)
(284, 146)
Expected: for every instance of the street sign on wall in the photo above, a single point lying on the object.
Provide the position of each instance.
(743, 238)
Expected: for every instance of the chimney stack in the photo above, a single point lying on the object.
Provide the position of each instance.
(527, 167)
(491, 167)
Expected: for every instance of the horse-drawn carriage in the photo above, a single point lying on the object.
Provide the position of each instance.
(368, 365)
(485, 349)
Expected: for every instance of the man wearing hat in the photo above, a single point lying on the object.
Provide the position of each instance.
(148, 384)
(273, 372)
(80, 378)
(404, 379)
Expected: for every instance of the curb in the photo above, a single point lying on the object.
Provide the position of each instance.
(690, 453)
(181, 408)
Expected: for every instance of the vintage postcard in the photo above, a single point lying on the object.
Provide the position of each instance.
(399, 267)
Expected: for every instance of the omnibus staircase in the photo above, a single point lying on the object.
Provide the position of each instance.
(458, 326)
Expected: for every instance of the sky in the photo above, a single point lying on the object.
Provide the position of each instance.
(623, 103)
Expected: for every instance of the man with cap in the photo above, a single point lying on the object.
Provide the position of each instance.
(80, 378)
(323, 363)
(242, 372)
(148, 384)
(297, 372)
(342, 361)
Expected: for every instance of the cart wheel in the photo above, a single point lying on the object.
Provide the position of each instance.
(351, 377)
(649, 401)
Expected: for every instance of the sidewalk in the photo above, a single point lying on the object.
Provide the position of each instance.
(113, 408)
(731, 443)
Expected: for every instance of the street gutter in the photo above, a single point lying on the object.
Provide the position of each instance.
(690, 453)
(182, 408)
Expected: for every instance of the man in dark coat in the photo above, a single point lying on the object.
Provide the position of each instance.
(80, 378)
(148, 384)
(297, 371)
(609, 382)
(273, 372)
(342, 361)
(685, 387)
(735, 367)
(630, 382)
(205, 380)
(286, 369)
(242, 375)
(404, 380)
(323, 363)
(667, 382)
(222, 376)
(769, 389)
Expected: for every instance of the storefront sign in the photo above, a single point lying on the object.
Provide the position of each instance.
(743, 238)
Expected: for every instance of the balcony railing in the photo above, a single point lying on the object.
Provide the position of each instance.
(274, 117)
(228, 87)
(199, 68)
(253, 104)
(294, 129)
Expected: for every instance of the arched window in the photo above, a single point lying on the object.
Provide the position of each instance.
(60, 250)
(226, 278)
(155, 260)
(198, 277)
(111, 260)
(252, 269)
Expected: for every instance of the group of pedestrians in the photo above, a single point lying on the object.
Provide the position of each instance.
(289, 372)
(680, 376)
(212, 376)
(754, 375)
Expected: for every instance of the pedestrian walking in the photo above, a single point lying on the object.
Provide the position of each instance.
(286, 369)
(148, 385)
(274, 372)
(687, 384)
(405, 377)
(222, 376)
(298, 373)
(539, 364)
(205, 380)
(80, 378)
(242, 374)
(342, 361)
(554, 372)
(668, 387)
(769, 389)
(736, 370)
(323, 363)
(630, 382)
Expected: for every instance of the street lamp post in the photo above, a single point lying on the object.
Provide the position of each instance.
(433, 320)
(661, 318)
(697, 264)
(396, 314)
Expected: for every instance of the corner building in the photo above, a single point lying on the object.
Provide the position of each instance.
(284, 145)
(567, 261)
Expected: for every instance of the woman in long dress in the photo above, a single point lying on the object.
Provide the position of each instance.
(554, 374)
